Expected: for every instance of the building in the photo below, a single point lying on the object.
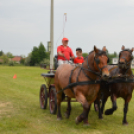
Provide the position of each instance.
(115, 61)
(17, 59)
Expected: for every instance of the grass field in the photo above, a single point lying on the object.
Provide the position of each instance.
(20, 112)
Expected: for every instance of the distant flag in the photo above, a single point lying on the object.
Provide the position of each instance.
(15, 76)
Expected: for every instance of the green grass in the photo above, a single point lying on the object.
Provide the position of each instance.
(20, 112)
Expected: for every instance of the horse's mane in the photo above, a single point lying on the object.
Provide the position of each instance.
(100, 52)
(127, 49)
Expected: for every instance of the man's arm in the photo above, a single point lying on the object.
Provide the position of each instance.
(60, 54)
(73, 57)
(71, 54)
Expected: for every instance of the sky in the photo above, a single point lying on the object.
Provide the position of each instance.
(26, 23)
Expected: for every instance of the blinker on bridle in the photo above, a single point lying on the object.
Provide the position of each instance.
(97, 61)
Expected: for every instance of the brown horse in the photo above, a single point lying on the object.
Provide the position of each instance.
(94, 66)
(116, 90)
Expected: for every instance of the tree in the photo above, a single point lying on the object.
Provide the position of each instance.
(28, 59)
(111, 56)
(85, 55)
(22, 61)
(1, 53)
(42, 51)
(35, 58)
(4, 58)
(9, 55)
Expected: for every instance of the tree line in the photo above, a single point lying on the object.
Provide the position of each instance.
(38, 56)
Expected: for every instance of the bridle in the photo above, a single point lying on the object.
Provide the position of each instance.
(126, 63)
(97, 61)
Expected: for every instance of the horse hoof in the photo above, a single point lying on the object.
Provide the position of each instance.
(59, 118)
(86, 125)
(66, 115)
(108, 112)
(101, 118)
(96, 108)
(76, 121)
(125, 123)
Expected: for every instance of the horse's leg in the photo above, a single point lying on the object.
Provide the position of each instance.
(103, 103)
(111, 110)
(125, 110)
(86, 108)
(68, 111)
(100, 113)
(85, 121)
(59, 100)
(96, 106)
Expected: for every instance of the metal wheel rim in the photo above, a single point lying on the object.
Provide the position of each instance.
(42, 97)
(52, 100)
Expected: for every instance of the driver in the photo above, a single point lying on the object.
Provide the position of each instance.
(64, 52)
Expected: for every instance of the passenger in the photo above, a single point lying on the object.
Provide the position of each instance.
(64, 52)
(79, 59)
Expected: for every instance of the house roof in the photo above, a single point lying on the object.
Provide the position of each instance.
(17, 58)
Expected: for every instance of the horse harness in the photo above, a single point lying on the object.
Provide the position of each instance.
(123, 78)
(91, 81)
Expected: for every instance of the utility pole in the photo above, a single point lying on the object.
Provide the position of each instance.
(52, 34)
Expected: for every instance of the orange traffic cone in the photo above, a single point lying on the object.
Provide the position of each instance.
(15, 76)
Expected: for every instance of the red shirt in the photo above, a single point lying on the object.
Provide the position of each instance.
(78, 60)
(67, 51)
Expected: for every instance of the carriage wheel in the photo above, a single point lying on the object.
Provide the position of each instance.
(52, 101)
(43, 96)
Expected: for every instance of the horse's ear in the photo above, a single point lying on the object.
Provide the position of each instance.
(123, 47)
(104, 48)
(95, 49)
(132, 49)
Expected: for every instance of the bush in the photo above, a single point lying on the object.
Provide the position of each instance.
(11, 63)
(45, 61)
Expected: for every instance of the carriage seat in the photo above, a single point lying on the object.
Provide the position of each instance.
(48, 75)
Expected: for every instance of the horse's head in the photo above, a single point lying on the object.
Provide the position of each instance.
(125, 58)
(100, 62)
